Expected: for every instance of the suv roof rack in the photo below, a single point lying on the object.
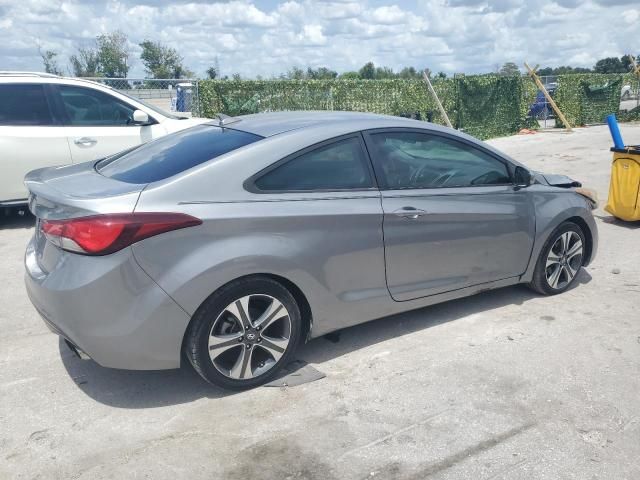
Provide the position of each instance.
(4, 73)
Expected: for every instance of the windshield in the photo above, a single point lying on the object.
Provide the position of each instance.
(173, 154)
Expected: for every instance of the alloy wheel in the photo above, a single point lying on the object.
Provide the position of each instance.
(564, 260)
(249, 337)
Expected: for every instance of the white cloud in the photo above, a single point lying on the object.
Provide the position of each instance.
(267, 38)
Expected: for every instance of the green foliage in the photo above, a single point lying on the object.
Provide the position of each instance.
(109, 58)
(50, 62)
(491, 105)
(368, 71)
(484, 106)
(546, 71)
(85, 63)
(322, 73)
(509, 69)
(587, 98)
(113, 55)
(212, 73)
(162, 61)
(609, 65)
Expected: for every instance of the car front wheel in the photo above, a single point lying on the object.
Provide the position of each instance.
(244, 333)
(560, 260)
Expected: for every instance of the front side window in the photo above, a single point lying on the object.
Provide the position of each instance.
(23, 105)
(89, 107)
(337, 166)
(420, 160)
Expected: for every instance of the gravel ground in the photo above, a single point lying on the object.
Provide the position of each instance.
(503, 385)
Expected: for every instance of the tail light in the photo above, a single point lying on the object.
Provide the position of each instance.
(104, 234)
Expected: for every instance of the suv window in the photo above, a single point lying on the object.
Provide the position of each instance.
(421, 160)
(85, 106)
(337, 166)
(174, 153)
(24, 105)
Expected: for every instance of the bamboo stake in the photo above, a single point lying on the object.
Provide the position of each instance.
(536, 79)
(425, 75)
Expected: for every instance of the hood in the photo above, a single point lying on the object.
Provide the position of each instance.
(555, 180)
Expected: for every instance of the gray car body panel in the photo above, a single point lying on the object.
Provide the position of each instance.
(330, 245)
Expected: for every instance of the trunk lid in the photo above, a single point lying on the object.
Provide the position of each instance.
(77, 191)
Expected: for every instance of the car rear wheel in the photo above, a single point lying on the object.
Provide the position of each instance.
(244, 333)
(560, 260)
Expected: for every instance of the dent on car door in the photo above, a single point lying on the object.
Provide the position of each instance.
(99, 124)
(30, 136)
(452, 218)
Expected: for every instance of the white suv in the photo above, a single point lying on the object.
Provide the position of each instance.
(48, 120)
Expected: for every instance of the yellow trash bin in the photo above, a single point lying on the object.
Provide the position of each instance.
(624, 189)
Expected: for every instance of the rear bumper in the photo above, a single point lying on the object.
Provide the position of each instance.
(108, 308)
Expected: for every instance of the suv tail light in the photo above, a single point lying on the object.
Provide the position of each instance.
(104, 234)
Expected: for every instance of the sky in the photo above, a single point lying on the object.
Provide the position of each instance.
(268, 37)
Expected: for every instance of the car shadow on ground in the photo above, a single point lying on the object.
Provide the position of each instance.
(11, 219)
(611, 220)
(354, 338)
(147, 389)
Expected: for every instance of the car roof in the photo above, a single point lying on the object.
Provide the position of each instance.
(274, 123)
(304, 128)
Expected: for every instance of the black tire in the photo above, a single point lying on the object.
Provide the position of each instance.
(200, 330)
(539, 282)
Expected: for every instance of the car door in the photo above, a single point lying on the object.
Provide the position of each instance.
(30, 137)
(323, 205)
(99, 124)
(452, 218)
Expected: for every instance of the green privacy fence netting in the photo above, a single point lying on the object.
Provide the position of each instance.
(482, 105)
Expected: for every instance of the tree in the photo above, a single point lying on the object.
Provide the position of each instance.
(212, 73)
(321, 73)
(509, 69)
(409, 72)
(49, 61)
(161, 61)
(368, 71)
(85, 63)
(108, 58)
(626, 62)
(295, 73)
(350, 76)
(609, 65)
(113, 54)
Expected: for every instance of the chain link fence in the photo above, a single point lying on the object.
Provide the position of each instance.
(175, 95)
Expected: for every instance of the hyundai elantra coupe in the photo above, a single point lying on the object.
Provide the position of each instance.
(232, 242)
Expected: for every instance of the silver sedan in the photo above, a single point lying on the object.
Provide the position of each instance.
(232, 242)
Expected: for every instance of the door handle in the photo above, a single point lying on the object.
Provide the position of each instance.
(85, 141)
(410, 213)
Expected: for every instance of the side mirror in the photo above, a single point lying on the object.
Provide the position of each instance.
(140, 118)
(522, 178)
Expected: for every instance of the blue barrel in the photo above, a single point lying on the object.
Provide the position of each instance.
(615, 131)
(184, 94)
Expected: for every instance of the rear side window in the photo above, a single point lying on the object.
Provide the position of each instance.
(24, 105)
(174, 153)
(338, 166)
